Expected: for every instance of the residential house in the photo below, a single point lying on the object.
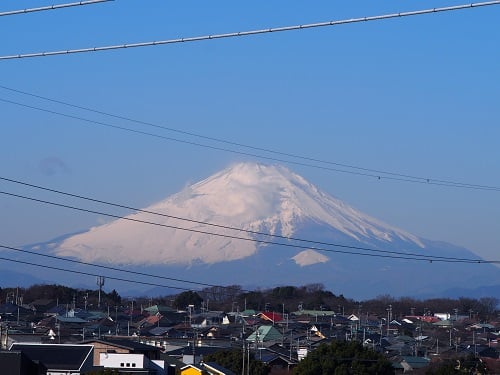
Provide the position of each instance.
(407, 364)
(279, 363)
(12, 312)
(137, 364)
(192, 369)
(121, 346)
(41, 306)
(269, 316)
(193, 355)
(58, 359)
(214, 369)
(264, 334)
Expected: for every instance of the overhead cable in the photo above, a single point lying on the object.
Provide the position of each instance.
(376, 173)
(369, 252)
(380, 176)
(92, 274)
(251, 32)
(252, 232)
(51, 7)
(109, 268)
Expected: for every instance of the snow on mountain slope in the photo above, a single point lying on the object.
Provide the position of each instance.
(309, 257)
(250, 196)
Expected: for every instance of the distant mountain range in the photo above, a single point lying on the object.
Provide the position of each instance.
(261, 200)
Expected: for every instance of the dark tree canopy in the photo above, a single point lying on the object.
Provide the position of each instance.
(60, 293)
(233, 360)
(462, 365)
(104, 372)
(183, 300)
(343, 358)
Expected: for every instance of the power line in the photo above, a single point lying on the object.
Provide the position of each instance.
(111, 268)
(376, 173)
(192, 143)
(51, 7)
(373, 252)
(198, 221)
(92, 274)
(251, 32)
(380, 176)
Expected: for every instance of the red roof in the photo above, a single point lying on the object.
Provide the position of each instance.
(272, 316)
(424, 318)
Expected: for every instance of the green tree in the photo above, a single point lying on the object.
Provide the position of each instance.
(343, 358)
(114, 297)
(233, 360)
(462, 365)
(183, 300)
(104, 372)
(284, 292)
(252, 299)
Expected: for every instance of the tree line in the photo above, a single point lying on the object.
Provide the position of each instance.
(283, 299)
(287, 299)
(62, 294)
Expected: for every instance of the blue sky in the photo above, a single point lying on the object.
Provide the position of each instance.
(417, 96)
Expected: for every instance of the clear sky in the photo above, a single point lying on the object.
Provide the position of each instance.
(417, 96)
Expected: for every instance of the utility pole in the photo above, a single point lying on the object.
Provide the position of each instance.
(17, 304)
(131, 310)
(116, 320)
(243, 339)
(389, 318)
(100, 284)
(248, 359)
(243, 359)
(6, 336)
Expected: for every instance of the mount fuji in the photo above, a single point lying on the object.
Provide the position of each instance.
(260, 225)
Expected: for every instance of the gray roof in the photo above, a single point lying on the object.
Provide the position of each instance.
(215, 366)
(126, 344)
(416, 362)
(159, 331)
(70, 319)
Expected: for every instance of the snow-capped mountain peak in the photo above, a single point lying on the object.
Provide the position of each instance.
(249, 196)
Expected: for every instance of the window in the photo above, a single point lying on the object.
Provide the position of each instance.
(122, 364)
(133, 364)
